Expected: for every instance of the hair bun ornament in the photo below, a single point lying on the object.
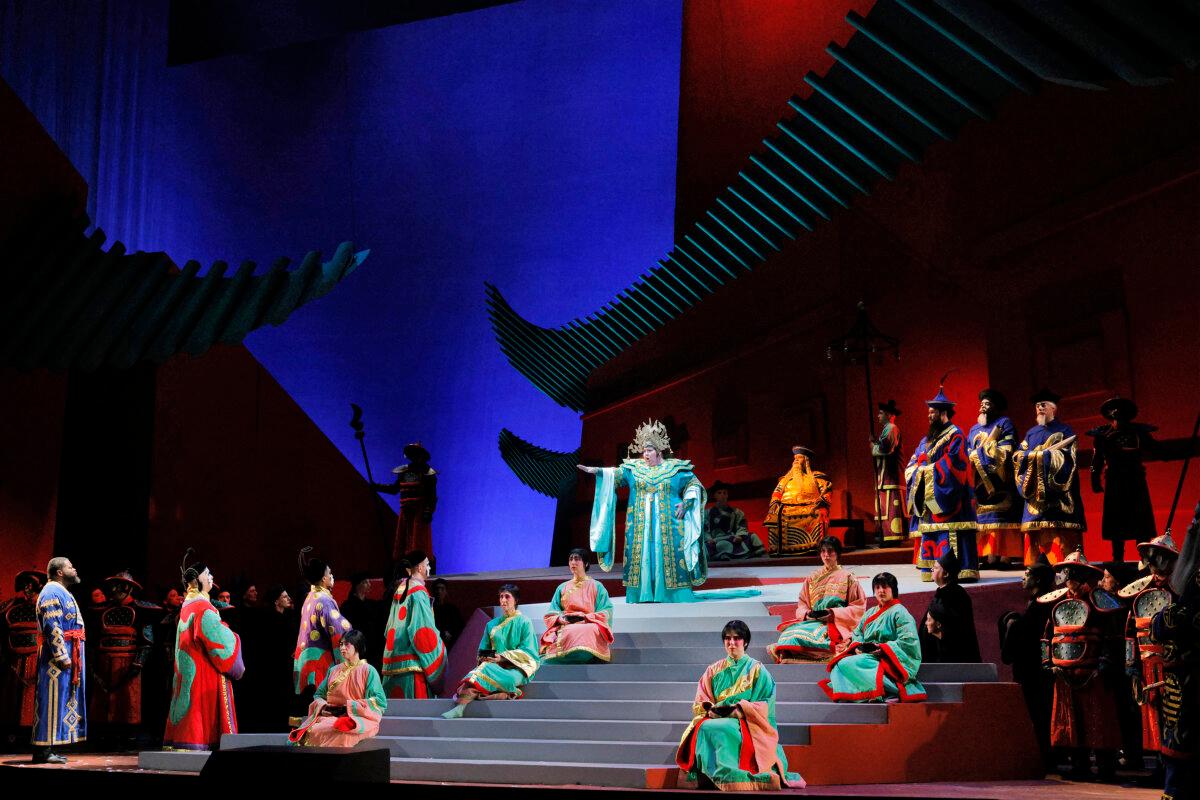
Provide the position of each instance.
(185, 574)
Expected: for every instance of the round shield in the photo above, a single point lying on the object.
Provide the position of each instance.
(1150, 602)
(118, 617)
(1067, 651)
(1072, 612)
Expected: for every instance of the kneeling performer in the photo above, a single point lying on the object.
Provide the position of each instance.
(579, 620)
(348, 704)
(829, 607)
(507, 657)
(883, 655)
(733, 741)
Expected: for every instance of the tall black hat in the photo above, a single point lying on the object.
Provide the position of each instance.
(1045, 396)
(999, 401)
(889, 407)
(718, 486)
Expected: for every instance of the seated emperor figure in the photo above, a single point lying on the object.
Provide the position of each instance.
(508, 657)
(830, 605)
(733, 741)
(883, 655)
(579, 620)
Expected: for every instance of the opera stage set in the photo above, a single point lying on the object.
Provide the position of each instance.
(541, 224)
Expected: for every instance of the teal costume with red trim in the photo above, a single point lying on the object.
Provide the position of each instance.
(890, 671)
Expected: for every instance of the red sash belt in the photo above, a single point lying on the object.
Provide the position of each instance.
(76, 638)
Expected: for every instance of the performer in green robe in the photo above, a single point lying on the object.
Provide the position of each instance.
(414, 655)
(733, 741)
(664, 550)
(508, 657)
(883, 656)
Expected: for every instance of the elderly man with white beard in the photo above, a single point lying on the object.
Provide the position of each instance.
(1048, 479)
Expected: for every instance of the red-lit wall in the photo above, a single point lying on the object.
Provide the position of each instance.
(1055, 245)
(244, 476)
(31, 407)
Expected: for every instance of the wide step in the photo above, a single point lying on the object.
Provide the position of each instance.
(790, 673)
(628, 690)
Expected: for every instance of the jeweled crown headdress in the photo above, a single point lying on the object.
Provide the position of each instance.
(650, 433)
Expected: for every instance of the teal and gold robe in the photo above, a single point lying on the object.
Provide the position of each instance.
(890, 671)
(664, 557)
(737, 753)
(512, 637)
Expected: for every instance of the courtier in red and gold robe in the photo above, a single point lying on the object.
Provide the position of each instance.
(1143, 657)
(939, 493)
(416, 483)
(18, 652)
(208, 655)
(890, 518)
(123, 628)
(1082, 647)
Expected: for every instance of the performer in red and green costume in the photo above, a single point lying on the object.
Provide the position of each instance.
(414, 654)
(322, 626)
(732, 742)
(208, 655)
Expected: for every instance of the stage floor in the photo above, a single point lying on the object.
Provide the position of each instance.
(126, 764)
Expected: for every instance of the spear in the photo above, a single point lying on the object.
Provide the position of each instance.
(357, 424)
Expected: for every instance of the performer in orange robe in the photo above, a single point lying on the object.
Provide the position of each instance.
(799, 512)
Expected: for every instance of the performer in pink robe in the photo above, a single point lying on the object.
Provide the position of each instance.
(830, 605)
(348, 704)
(579, 620)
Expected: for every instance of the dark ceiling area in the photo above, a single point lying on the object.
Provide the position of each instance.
(204, 29)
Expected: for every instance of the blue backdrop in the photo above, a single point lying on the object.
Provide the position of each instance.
(532, 145)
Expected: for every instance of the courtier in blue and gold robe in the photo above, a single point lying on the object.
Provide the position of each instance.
(664, 554)
(60, 711)
(939, 494)
(998, 507)
(1048, 479)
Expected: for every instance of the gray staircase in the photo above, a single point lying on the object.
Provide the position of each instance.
(607, 724)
